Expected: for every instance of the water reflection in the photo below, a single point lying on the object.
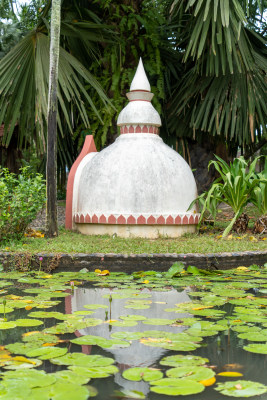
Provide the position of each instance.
(137, 355)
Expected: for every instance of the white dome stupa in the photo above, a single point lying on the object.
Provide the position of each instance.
(137, 186)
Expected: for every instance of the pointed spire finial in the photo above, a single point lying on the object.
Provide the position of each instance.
(140, 81)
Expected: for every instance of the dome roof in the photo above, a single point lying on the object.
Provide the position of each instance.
(137, 175)
(136, 181)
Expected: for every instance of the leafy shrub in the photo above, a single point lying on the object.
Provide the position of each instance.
(235, 187)
(21, 197)
(259, 194)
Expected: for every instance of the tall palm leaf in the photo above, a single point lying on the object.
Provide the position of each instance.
(223, 91)
(24, 74)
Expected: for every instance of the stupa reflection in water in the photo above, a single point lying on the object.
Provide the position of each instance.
(137, 355)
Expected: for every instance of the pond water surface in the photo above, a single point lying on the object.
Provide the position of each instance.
(211, 322)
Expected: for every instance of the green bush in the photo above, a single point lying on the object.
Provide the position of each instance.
(259, 194)
(21, 197)
(236, 187)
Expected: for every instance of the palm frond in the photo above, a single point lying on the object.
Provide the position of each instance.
(24, 88)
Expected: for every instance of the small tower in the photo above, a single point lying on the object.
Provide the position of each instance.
(136, 187)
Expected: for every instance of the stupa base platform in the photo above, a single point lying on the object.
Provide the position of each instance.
(131, 231)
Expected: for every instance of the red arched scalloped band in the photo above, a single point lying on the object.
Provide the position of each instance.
(186, 219)
(139, 129)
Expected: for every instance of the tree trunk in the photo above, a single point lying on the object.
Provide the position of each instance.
(51, 163)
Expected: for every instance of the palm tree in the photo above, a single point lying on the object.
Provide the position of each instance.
(223, 89)
(24, 77)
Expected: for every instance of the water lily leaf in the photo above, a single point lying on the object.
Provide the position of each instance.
(241, 388)
(7, 325)
(129, 394)
(20, 362)
(256, 337)
(176, 387)
(175, 270)
(231, 374)
(21, 348)
(146, 374)
(83, 312)
(95, 372)
(5, 310)
(45, 314)
(71, 376)
(158, 321)
(127, 335)
(133, 317)
(165, 343)
(256, 348)
(39, 337)
(45, 353)
(32, 377)
(11, 390)
(28, 322)
(68, 391)
(122, 323)
(228, 292)
(95, 306)
(180, 360)
(246, 328)
(208, 382)
(83, 360)
(99, 341)
(191, 372)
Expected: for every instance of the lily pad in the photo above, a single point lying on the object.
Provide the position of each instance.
(68, 391)
(83, 360)
(180, 360)
(95, 306)
(158, 321)
(7, 325)
(129, 394)
(256, 348)
(95, 372)
(176, 387)
(99, 341)
(241, 388)
(32, 377)
(146, 374)
(71, 376)
(28, 322)
(191, 372)
(45, 353)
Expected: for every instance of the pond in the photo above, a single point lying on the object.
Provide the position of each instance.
(148, 335)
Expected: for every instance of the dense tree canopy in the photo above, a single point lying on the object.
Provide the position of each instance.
(206, 61)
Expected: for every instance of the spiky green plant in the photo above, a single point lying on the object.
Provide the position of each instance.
(235, 187)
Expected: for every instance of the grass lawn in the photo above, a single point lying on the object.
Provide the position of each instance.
(207, 240)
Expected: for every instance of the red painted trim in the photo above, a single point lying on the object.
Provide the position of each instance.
(111, 220)
(141, 220)
(149, 101)
(161, 220)
(185, 220)
(131, 220)
(178, 220)
(169, 220)
(88, 147)
(151, 220)
(102, 219)
(121, 220)
(94, 219)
